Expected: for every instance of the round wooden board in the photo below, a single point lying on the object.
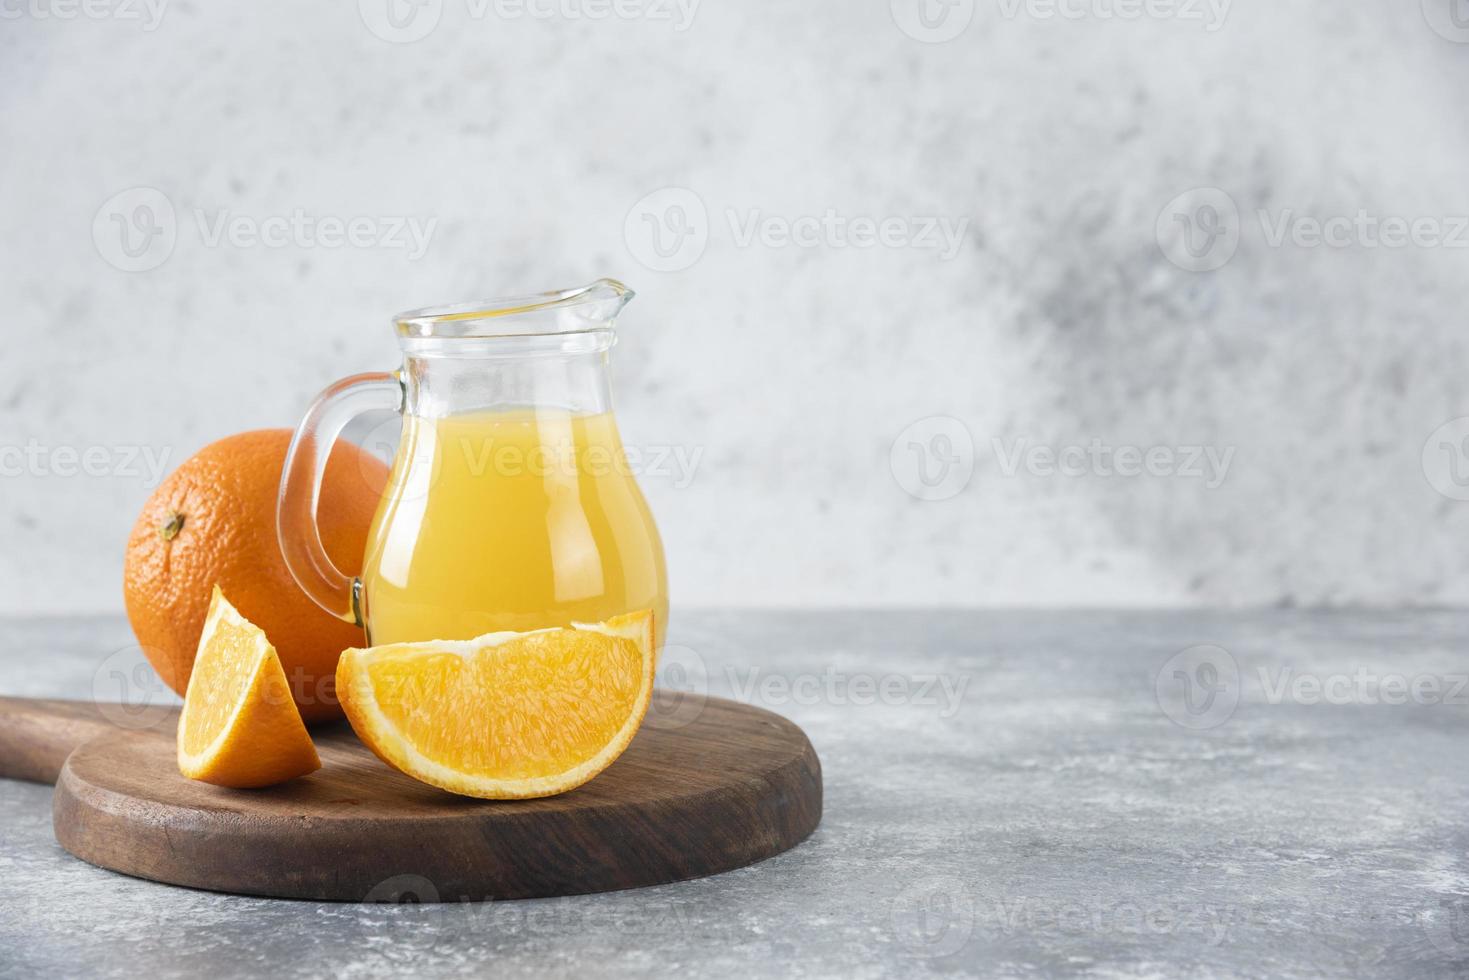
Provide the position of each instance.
(698, 792)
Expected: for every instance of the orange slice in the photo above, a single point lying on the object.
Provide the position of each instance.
(240, 727)
(506, 715)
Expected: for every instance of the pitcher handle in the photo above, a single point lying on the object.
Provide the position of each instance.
(296, 527)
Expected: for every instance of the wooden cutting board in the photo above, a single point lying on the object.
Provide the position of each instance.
(707, 785)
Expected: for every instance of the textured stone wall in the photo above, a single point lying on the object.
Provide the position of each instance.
(891, 260)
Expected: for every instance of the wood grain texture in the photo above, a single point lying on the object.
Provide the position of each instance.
(698, 792)
(36, 735)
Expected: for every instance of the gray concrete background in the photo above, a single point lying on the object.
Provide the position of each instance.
(1061, 813)
(801, 374)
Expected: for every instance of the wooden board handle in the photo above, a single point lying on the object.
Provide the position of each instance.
(37, 735)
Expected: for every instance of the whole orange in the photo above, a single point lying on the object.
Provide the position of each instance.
(213, 522)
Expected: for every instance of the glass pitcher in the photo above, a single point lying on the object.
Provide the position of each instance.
(510, 504)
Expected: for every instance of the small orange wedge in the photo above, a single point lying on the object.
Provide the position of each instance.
(240, 726)
(506, 715)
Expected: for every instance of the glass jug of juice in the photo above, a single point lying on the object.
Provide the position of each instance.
(510, 505)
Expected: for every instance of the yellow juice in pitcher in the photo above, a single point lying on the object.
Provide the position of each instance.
(509, 520)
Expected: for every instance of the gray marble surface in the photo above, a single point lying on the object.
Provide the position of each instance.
(1007, 794)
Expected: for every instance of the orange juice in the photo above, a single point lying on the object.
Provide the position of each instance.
(509, 520)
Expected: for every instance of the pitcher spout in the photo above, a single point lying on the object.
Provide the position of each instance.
(594, 306)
